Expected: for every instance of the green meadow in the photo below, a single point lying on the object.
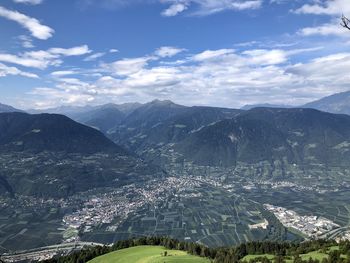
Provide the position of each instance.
(148, 254)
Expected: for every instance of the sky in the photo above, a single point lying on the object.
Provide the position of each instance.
(225, 53)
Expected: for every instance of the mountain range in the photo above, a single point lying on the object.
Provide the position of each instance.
(221, 137)
(288, 136)
(51, 155)
(122, 143)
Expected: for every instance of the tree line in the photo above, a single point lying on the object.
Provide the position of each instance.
(281, 250)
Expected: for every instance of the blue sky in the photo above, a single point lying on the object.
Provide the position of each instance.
(195, 52)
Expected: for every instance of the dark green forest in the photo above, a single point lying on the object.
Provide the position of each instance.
(224, 254)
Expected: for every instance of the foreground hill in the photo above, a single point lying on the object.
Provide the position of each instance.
(162, 249)
(336, 103)
(51, 155)
(149, 254)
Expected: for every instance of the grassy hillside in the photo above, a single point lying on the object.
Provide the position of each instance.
(148, 254)
(318, 255)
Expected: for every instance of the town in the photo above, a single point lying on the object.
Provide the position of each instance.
(115, 206)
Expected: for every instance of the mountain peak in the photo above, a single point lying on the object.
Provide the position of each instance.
(162, 102)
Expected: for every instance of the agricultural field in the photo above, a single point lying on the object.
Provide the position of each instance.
(148, 254)
(208, 215)
(32, 228)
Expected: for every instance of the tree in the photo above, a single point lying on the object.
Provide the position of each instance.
(345, 22)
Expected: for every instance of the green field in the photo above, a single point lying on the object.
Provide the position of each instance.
(148, 254)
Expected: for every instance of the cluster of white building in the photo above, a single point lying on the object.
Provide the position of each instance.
(96, 211)
(344, 236)
(311, 226)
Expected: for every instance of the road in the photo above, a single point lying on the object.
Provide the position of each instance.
(46, 252)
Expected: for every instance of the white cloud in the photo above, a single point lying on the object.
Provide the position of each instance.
(175, 9)
(95, 56)
(127, 66)
(31, 60)
(31, 2)
(5, 71)
(168, 51)
(113, 50)
(63, 73)
(325, 7)
(26, 41)
(212, 54)
(223, 77)
(246, 5)
(207, 7)
(42, 59)
(33, 25)
(59, 97)
(327, 29)
(266, 57)
(74, 51)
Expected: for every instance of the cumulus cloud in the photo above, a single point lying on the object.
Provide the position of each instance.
(334, 9)
(327, 29)
(32, 24)
(224, 77)
(325, 7)
(5, 71)
(266, 57)
(175, 9)
(59, 97)
(127, 66)
(42, 59)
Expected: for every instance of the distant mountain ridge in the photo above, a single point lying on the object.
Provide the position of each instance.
(337, 103)
(7, 108)
(103, 117)
(265, 105)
